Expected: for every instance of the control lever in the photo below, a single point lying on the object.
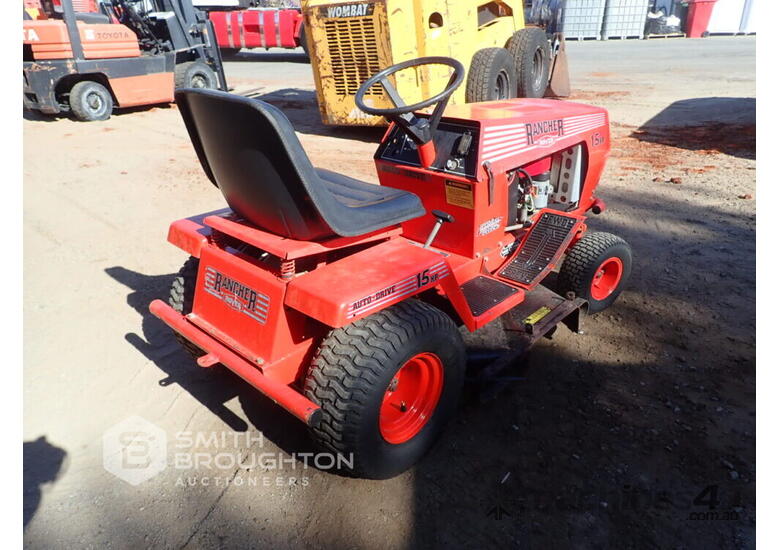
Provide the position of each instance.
(491, 180)
(441, 217)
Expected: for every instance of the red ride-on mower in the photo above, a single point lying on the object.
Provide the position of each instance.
(341, 300)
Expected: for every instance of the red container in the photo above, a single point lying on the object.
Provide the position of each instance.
(699, 12)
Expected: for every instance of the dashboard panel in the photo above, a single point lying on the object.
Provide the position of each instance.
(457, 145)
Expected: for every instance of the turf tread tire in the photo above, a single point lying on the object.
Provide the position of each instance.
(522, 46)
(582, 260)
(483, 72)
(181, 297)
(356, 361)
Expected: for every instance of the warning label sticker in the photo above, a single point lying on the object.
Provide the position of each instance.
(537, 316)
(459, 194)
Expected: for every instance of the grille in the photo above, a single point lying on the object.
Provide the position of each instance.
(354, 56)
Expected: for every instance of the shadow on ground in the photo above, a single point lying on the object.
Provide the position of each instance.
(213, 387)
(42, 464)
(255, 56)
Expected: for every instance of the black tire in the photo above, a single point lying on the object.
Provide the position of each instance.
(532, 55)
(194, 74)
(304, 44)
(90, 101)
(230, 52)
(491, 76)
(181, 297)
(352, 371)
(582, 263)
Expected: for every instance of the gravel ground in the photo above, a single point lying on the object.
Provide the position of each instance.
(637, 434)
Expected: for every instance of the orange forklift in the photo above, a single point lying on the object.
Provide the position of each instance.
(124, 54)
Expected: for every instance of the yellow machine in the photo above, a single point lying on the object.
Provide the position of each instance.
(351, 41)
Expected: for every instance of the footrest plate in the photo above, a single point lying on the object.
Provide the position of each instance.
(484, 293)
(541, 249)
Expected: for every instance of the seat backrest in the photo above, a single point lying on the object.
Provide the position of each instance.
(249, 150)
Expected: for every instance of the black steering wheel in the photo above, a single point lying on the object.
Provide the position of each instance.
(420, 130)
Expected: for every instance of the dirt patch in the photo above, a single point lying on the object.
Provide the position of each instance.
(736, 140)
(591, 95)
(685, 150)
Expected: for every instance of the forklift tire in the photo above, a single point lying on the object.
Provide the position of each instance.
(596, 269)
(491, 76)
(532, 54)
(181, 297)
(387, 385)
(90, 101)
(194, 74)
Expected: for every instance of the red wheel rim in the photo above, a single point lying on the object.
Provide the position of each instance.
(411, 397)
(606, 279)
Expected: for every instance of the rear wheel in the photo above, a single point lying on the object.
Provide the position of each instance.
(532, 56)
(194, 74)
(90, 101)
(181, 298)
(387, 385)
(596, 269)
(491, 76)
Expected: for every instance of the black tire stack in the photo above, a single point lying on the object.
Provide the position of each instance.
(521, 69)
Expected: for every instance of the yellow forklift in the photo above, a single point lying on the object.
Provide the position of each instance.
(350, 41)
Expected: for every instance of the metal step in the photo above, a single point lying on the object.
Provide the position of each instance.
(541, 249)
(484, 293)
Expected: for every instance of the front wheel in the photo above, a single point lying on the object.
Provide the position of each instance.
(194, 74)
(596, 269)
(90, 101)
(387, 385)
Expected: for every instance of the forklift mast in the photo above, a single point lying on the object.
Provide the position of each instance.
(174, 26)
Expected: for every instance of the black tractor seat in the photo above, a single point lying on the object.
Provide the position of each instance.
(249, 150)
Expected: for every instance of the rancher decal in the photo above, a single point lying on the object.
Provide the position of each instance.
(237, 295)
(543, 132)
